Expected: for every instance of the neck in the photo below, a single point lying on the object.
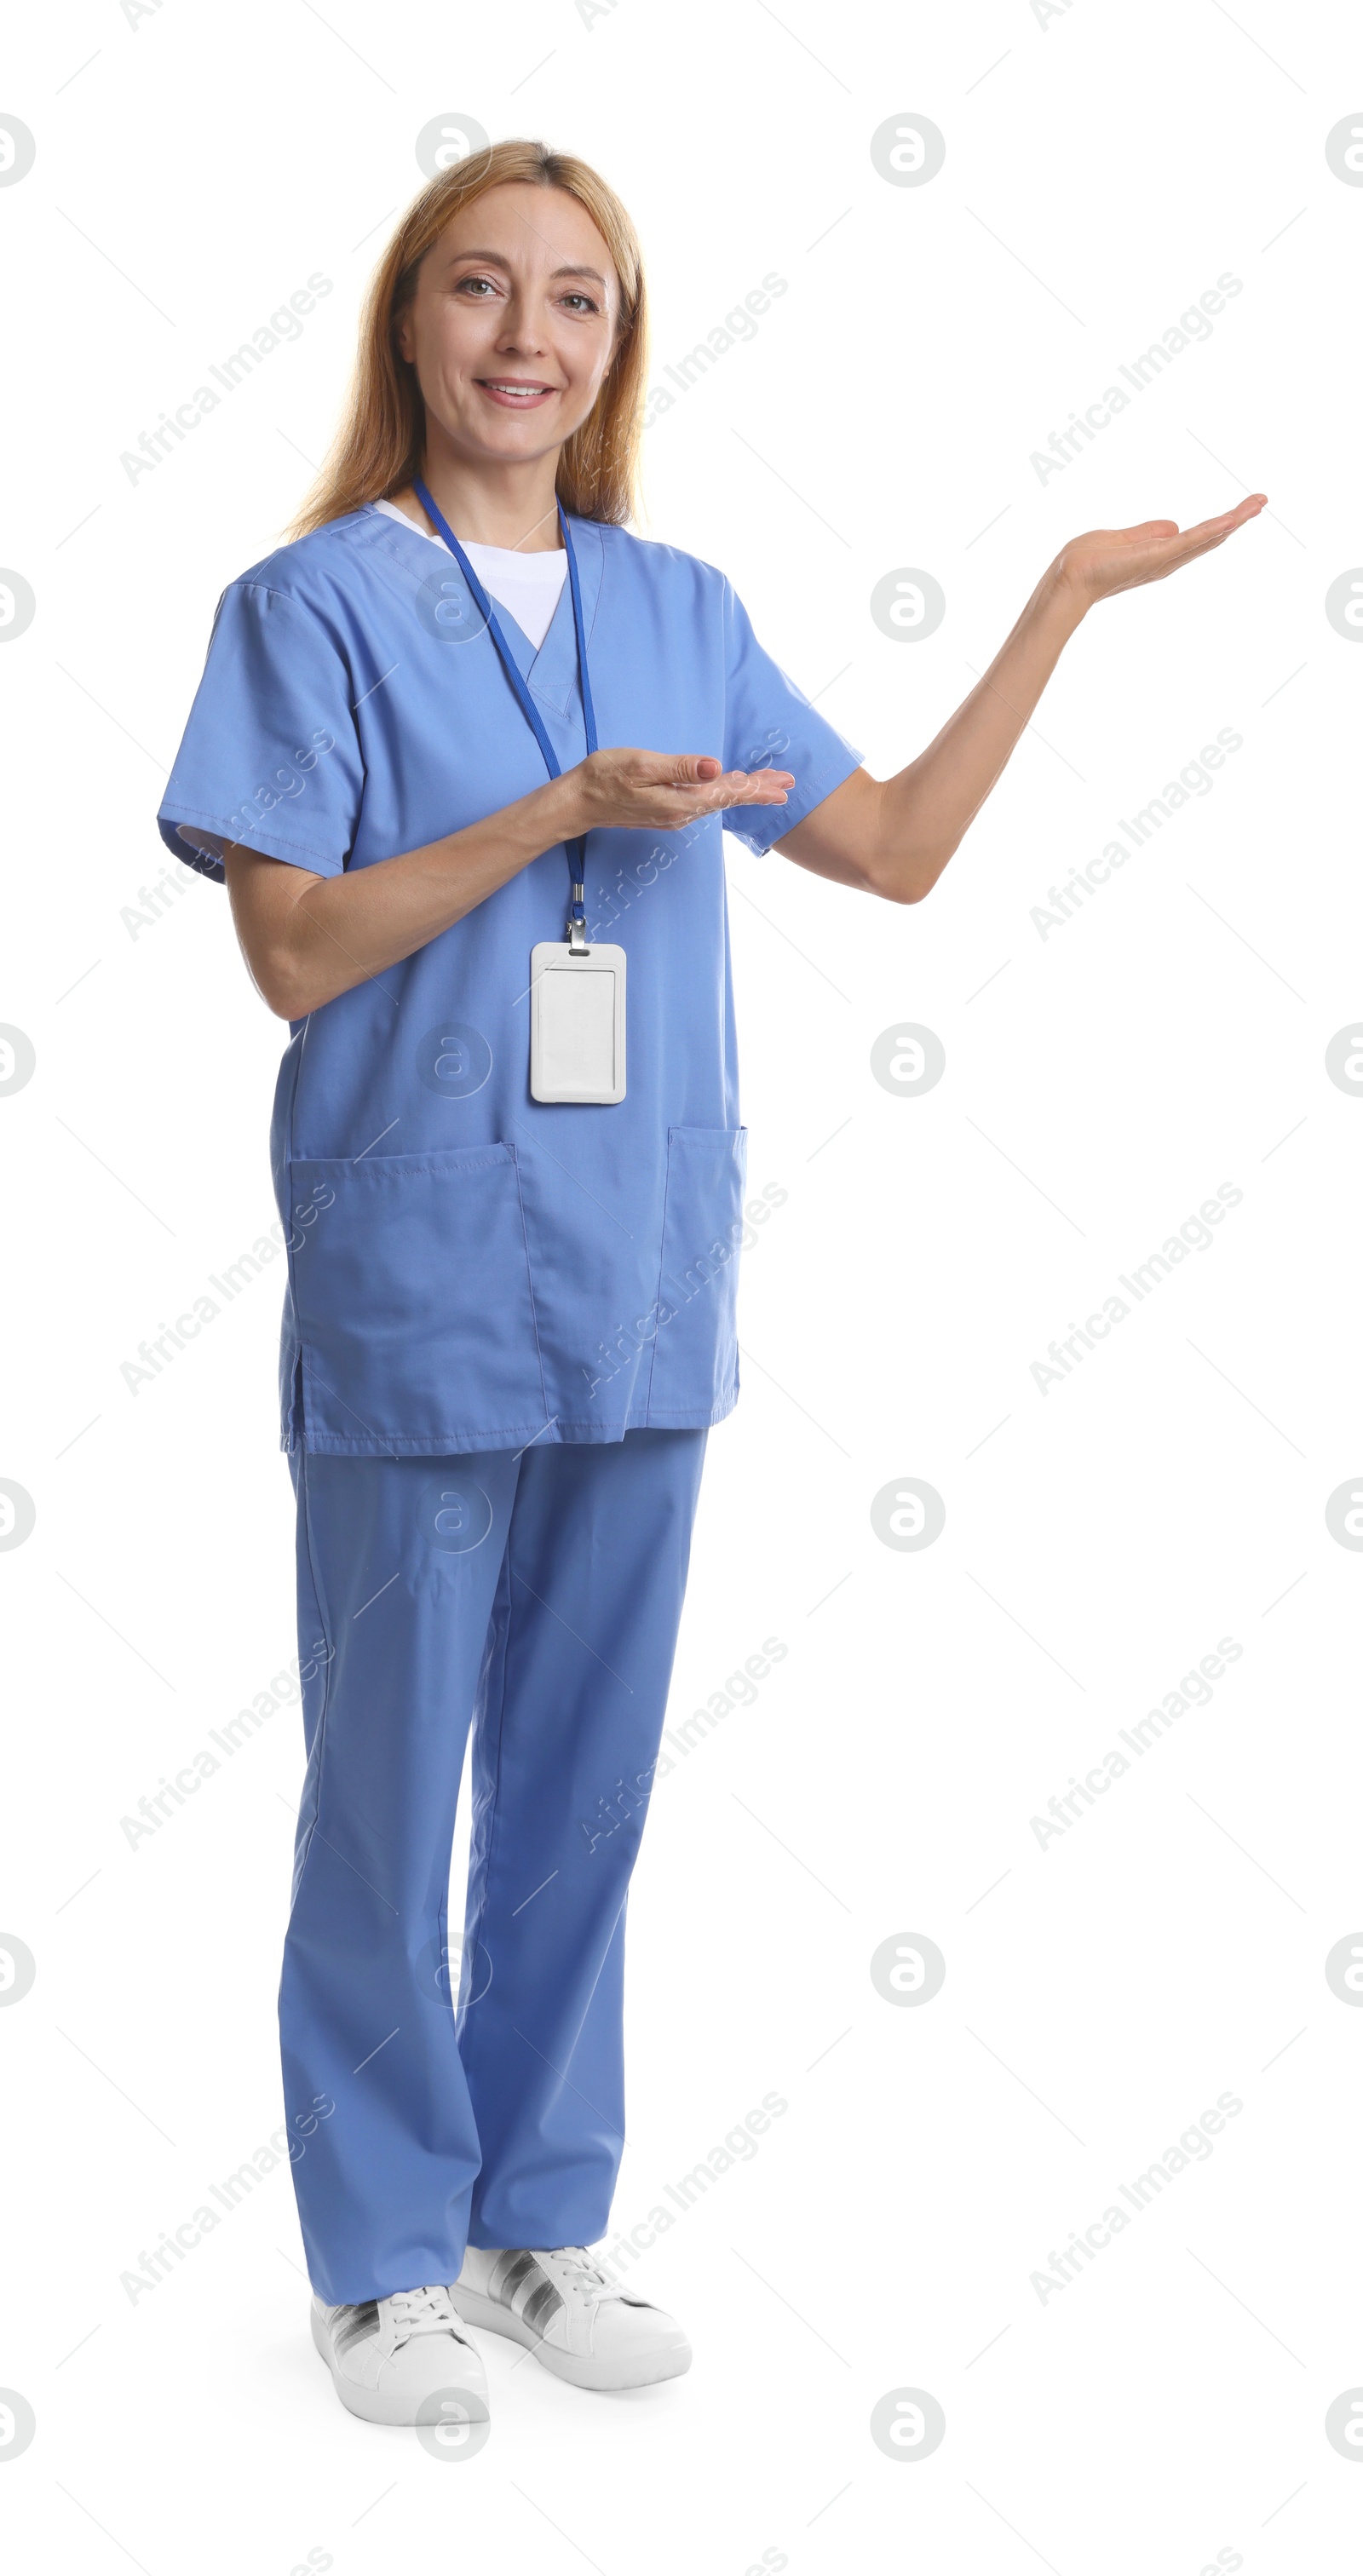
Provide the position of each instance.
(495, 504)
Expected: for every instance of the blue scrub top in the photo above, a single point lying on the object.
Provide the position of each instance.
(470, 1268)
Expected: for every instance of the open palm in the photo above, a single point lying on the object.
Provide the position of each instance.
(1112, 559)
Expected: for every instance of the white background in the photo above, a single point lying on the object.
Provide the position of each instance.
(1166, 2409)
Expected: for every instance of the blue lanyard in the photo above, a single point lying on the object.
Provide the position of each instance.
(577, 849)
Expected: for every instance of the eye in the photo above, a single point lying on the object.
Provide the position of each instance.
(581, 302)
(478, 281)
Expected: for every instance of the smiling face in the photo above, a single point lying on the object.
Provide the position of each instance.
(512, 325)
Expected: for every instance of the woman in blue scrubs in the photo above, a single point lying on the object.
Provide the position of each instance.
(463, 753)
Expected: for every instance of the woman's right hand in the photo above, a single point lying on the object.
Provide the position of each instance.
(308, 938)
(653, 791)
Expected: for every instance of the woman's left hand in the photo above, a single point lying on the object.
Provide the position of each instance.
(1110, 559)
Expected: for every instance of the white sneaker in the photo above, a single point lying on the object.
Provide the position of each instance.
(404, 2360)
(575, 2320)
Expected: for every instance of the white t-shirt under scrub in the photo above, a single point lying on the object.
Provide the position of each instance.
(527, 585)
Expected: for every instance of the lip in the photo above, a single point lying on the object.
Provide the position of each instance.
(491, 386)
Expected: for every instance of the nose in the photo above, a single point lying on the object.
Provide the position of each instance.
(519, 332)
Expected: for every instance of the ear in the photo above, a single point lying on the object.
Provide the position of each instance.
(402, 335)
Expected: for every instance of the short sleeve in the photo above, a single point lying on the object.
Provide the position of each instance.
(270, 755)
(770, 724)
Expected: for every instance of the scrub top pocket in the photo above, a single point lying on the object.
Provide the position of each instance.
(411, 1290)
(695, 1352)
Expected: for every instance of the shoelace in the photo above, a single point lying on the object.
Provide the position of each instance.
(422, 2311)
(584, 2276)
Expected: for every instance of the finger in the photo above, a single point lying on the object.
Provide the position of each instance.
(764, 790)
(701, 769)
(1158, 533)
(1211, 531)
(1171, 554)
(1229, 520)
(1208, 546)
(1158, 567)
(751, 787)
(738, 787)
(1203, 539)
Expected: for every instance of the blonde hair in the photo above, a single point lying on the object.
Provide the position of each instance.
(378, 448)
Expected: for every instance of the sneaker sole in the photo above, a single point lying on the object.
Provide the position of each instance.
(578, 2368)
(372, 2405)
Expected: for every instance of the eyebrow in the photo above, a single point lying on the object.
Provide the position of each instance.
(498, 259)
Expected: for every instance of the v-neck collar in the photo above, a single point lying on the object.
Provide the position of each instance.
(551, 670)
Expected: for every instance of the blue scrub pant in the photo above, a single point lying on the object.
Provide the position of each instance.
(538, 1594)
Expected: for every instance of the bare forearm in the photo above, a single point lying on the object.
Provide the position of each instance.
(926, 810)
(309, 938)
(324, 935)
(894, 836)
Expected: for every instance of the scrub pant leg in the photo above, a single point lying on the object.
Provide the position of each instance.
(536, 1594)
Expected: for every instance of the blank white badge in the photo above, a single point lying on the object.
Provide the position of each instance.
(577, 1023)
